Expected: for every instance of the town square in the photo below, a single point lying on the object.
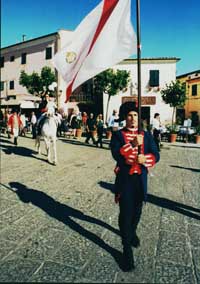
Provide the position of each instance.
(64, 228)
(100, 142)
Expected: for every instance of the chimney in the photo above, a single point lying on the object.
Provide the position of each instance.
(23, 37)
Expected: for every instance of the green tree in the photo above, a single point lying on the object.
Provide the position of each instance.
(38, 84)
(175, 95)
(111, 82)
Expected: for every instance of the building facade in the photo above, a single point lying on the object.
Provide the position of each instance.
(192, 104)
(32, 55)
(155, 74)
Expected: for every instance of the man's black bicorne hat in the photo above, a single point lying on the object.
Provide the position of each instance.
(125, 108)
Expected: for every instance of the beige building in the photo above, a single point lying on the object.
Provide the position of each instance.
(32, 55)
(192, 104)
(29, 56)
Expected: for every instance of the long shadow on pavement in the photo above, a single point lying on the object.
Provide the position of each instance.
(62, 213)
(80, 143)
(173, 205)
(186, 146)
(190, 169)
(163, 202)
(21, 151)
(5, 141)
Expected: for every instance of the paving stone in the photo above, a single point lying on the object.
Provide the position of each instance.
(33, 219)
(173, 273)
(16, 233)
(194, 234)
(197, 272)
(41, 245)
(17, 270)
(105, 268)
(196, 256)
(71, 226)
(6, 193)
(143, 272)
(13, 214)
(173, 221)
(6, 204)
(75, 250)
(84, 280)
(173, 247)
(53, 272)
(6, 248)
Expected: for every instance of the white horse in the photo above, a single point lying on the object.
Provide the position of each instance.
(49, 133)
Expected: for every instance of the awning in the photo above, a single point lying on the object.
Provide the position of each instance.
(22, 97)
(22, 104)
(10, 102)
(29, 104)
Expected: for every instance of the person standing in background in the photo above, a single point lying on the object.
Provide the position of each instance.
(23, 129)
(15, 123)
(84, 120)
(112, 121)
(156, 125)
(33, 124)
(99, 124)
(90, 127)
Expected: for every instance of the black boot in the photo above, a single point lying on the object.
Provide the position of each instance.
(135, 241)
(128, 261)
(15, 140)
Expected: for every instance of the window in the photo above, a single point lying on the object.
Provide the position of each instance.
(2, 86)
(154, 78)
(12, 58)
(48, 53)
(23, 58)
(194, 90)
(2, 62)
(12, 85)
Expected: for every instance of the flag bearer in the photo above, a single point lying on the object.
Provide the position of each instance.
(131, 176)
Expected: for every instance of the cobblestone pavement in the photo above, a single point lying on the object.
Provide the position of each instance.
(61, 223)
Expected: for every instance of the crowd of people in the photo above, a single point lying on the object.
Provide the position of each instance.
(93, 127)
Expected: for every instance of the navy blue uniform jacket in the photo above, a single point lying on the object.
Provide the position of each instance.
(123, 178)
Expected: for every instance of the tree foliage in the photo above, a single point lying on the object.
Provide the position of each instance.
(111, 82)
(38, 84)
(175, 95)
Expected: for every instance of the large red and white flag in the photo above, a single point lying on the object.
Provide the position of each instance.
(104, 38)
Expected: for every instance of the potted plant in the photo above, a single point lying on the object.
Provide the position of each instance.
(175, 95)
(79, 129)
(197, 136)
(173, 130)
(108, 133)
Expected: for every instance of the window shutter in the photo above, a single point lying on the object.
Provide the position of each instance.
(2, 85)
(194, 90)
(154, 78)
(48, 53)
(2, 62)
(12, 86)
(23, 58)
(12, 58)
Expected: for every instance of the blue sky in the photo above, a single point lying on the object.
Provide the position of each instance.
(169, 28)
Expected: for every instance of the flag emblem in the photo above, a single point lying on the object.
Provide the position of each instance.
(84, 55)
(70, 56)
